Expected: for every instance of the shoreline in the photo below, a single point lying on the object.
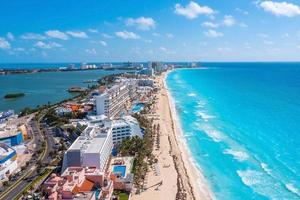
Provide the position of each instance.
(197, 181)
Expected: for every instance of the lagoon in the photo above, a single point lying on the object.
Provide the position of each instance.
(41, 88)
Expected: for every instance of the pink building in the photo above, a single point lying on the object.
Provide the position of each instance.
(78, 183)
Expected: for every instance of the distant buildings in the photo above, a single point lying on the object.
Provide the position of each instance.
(86, 66)
(147, 71)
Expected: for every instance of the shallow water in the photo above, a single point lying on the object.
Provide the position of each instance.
(241, 122)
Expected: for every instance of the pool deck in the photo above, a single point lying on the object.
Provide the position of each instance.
(125, 161)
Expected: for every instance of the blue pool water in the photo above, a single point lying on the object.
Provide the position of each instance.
(120, 169)
(137, 107)
(241, 123)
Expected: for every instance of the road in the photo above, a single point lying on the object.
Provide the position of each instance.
(32, 173)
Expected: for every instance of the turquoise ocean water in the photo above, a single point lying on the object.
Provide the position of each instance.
(241, 123)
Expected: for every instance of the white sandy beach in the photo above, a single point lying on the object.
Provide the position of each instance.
(177, 172)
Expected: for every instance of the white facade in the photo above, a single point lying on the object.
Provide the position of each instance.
(113, 100)
(121, 128)
(91, 149)
(124, 127)
(8, 163)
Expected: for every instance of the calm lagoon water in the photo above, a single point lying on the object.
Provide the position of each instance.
(39, 88)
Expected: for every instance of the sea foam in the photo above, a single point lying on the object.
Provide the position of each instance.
(238, 155)
(204, 115)
(265, 167)
(200, 104)
(293, 189)
(191, 94)
(209, 131)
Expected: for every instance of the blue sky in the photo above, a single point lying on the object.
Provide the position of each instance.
(135, 30)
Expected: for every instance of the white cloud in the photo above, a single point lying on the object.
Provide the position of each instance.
(107, 36)
(243, 25)
(49, 45)
(281, 8)
(163, 48)
(263, 35)
(166, 51)
(10, 36)
(77, 34)
(142, 23)
(169, 35)
(247, 45)
(127, 35)
(32, 36)
(286, 35)
(103, 43)
(298, 46)
(228, 20)
(213, 34)
(268, 42)
(156, 34)
(91, 51)
(57, 34)
(19, 49)
(91, 30)
(4, 44)
(148, 41)
(193, 10)
(224, 49)
(210, 24)
(242, 11)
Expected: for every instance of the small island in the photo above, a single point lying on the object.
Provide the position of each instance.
(13, 95)
(76, 89)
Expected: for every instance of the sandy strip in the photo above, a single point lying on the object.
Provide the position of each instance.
(181, 178)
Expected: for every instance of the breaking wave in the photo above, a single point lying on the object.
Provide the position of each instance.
(238, 155)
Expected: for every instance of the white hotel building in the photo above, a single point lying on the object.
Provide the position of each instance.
(91, 149)
(124, 127)
(121, 128)
(113, 100)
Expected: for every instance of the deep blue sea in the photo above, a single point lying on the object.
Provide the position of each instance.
(241, 122)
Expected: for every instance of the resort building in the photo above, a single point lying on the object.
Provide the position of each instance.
(121, 128)
(79, 183)
(147, 71)
(91, 149)
(124, 127)
(4, 116)
(10, 134)
(112, 101)
(121, 175)
(8, 163)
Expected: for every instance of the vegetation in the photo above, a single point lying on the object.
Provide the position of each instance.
(141, 148)
(53, 119)
(36, 181)
(13, 95)
(108, 80)
(121, 195)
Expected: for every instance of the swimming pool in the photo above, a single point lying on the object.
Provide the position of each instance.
(137, 107)
(120, 169)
